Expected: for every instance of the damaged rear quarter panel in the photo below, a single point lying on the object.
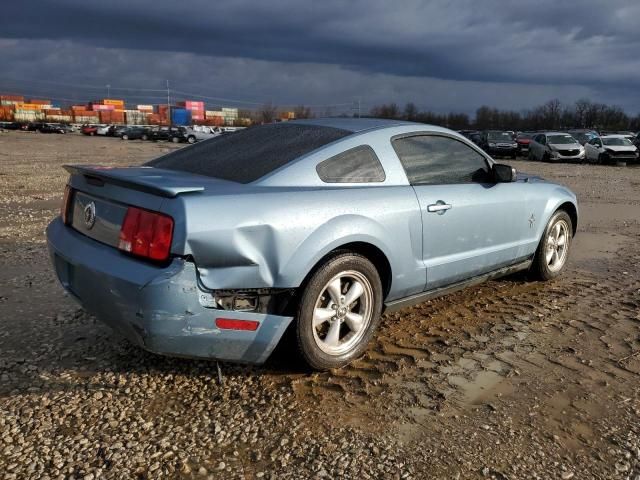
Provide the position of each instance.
(262, 237)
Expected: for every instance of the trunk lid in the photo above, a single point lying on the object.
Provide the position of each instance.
(100, 197)
(165, 183)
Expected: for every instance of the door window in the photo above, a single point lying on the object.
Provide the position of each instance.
(439, 160)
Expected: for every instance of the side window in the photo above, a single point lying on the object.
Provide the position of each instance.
(356, 165)
(543, 139)
(438, 160)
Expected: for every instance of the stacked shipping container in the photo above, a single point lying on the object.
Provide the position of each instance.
(109, 110)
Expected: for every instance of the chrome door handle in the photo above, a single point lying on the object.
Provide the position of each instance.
(439, 207)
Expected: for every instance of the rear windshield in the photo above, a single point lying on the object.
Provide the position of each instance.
(250, 154)
(561, 139)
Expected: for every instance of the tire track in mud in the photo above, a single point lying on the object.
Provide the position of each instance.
(457, 351)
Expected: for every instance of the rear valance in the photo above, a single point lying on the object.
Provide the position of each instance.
(146, 179)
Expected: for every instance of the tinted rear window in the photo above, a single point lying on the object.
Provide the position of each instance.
(250, 154)
(356, 165)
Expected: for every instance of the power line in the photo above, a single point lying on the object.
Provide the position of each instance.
(77, 85)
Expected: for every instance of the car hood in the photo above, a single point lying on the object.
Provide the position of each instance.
(527, 177)
(565, 146)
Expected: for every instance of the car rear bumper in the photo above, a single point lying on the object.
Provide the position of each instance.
(155, 307)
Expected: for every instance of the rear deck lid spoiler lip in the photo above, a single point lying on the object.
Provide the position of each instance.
(135, 178)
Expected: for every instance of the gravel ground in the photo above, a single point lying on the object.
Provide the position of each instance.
(507, 380)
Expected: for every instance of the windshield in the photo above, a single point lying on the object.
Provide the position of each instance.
(500, 137)
(250, 154)
(583, 137)
(617, 142)
(525, 136)
(561, 139)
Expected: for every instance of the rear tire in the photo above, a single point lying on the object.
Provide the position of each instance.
(339, 311)
(145, 137)
(175, 140)
(125, 137)
(554, 247)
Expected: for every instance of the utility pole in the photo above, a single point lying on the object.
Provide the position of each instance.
(108, 91)
(358, 107)
(169, 105)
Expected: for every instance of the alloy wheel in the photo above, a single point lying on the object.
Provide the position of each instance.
(342, 312)
(557, 245)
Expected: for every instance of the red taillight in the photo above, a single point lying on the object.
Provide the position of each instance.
(235, 324)
(64, 208)
(146, 234)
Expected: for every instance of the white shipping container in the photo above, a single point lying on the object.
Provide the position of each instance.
(135, 117)
(28, 115)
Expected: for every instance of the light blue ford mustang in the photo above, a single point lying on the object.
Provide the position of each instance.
(214, 250)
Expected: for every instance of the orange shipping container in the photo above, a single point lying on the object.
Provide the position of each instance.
(29, 106)
(40, 102)
(12, 98)
(111, 101)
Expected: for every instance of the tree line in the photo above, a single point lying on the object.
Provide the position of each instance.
(553, 115)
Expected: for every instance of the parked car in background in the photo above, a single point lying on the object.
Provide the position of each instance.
(193, 134)
(103, 130)
(89, 130)
(555, 147)
(160, 133)
(499, 143)
(135, 133)
(611, 149)
(213, 251)
(582, 135)
(523, 139)
(472, 135)
(11, 125)
(34, 126)
(52, 128)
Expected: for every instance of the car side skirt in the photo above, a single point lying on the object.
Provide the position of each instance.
(401, 303)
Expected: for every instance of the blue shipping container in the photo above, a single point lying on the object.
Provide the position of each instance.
(180, 116)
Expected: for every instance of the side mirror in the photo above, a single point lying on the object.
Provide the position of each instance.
(504, 173)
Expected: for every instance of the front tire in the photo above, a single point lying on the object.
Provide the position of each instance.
(191, 140)
(175, 140)
(339, 311)
(553, 251)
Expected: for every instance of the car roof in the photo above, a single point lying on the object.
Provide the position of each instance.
(354, 124)
(615, 135)
(555, 133)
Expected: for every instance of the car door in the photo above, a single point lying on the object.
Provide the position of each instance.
(590, 149)
(471, 225)
(597, 149)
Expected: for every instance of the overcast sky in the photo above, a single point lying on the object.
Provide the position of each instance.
(444, 55)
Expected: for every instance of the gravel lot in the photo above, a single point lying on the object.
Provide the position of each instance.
(507, 380)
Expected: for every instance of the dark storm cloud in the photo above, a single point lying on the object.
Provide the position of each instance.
(544, 45)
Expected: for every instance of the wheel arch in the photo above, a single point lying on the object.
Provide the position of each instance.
(572, 211)
(368, 250)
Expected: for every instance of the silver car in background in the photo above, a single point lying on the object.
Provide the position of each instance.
(614, 149)
(317, 226)
(555, 147)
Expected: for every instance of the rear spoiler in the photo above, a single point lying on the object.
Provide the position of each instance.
(156, 181)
